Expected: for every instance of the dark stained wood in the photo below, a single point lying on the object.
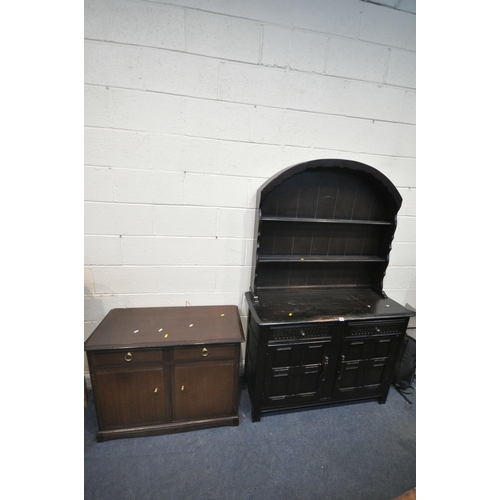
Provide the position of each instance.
(147, 327)
(343, 304)
(126, 357)
(128, 398)
(147, 384)
(323, 235)
(376, 179)
(324, 223)
(205, 352)
(204, 390)
(364, 365)
(295, 372)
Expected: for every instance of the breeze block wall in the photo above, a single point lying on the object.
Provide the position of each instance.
(190, 105)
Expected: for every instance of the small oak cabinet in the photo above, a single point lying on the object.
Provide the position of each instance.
(163, 370)
(321, 330)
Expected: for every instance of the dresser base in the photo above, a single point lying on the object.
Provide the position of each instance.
(156, 430)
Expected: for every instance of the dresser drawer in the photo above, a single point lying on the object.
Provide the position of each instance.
(202, 352)
(377, 327)
(300, 332)
(125, 357)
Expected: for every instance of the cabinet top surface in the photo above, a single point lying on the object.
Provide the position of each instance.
(323, 305)
(166, 326)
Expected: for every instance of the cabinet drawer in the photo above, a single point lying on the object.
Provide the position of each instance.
(300, 332)
(377, 327)
(126, 357)
(201, 352)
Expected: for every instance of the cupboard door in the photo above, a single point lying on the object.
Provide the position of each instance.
(204, 390)
(296, 371)
(296, 381)
(361, 377)
(365, 364)
(126, 398)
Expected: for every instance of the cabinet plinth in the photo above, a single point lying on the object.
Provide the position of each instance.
(165, 370)
(321, 330)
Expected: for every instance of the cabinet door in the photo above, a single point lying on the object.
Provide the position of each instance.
(296, 372)
(126, 398)
(204, 390)
(365, 364)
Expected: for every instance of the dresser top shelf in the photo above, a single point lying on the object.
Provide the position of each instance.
(304, 306)
(166, 327)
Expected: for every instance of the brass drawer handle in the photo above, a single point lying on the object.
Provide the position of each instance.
(204, 352)
(182, 387)
(128, 356)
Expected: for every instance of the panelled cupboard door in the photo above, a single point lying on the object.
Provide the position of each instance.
(296, 370)
(364, 365)
(128, 398)
(204, 390)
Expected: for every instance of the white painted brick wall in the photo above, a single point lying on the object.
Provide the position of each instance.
(112, 64)
(146, 111)
(339, 17)
(250, 159)
(179, 73)
(144, 23)
(219, 120)
(216, 190)
(214, 251)
(356, 59)
(308, 51)
(387, 26)
(182, 154)
(118, 219)
(186, 279)
(99, 184)
(149, 186)
(103, 250)
(252, 84)
(276, 46)
(116, 148)
(153, 251)
(222, 36)
(190, 105)
(185, 221)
